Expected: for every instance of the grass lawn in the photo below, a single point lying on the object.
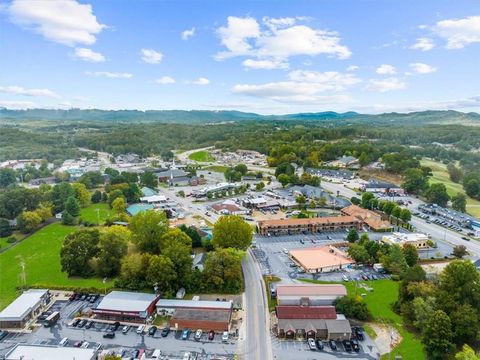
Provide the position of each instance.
(440, 175)
(272, 303)
(3, 240)
(202, 156)
(216, 168)
(91, 215)
(41, 255)
(379, 301)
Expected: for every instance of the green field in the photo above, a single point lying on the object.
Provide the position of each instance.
(216, 168)
(440, 175)
(201, 156)
(91, 214)
(41, 255)
(379, 301)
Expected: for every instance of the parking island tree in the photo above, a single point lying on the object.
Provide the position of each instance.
(231, 231)
(147, 229)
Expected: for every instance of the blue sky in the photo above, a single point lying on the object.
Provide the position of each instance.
(261, 56)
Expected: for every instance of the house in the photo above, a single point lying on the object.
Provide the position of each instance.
(128, 158)
(309, 294)
(197, 180)
(368, 217)
(49, 352)
(319, 322)
(229, 207)
(333, 174)
(170, 174)
(310, 225)
(199, 261)
(45, 180)
(419, 240)
(179, 181)
(321, 259)
(126, 306)
(24, 309)
(382, 187)
(345, 162)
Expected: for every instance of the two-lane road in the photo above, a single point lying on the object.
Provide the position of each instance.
(258, 344)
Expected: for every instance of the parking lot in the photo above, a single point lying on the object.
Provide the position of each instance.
(128, 343)
(295, 349)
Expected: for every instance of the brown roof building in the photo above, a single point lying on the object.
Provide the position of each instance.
(311, 225)
(321, 259)
(306, 312)
(218, 320)
(369, 217)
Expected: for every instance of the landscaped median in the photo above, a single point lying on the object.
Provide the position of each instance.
(379, 301)
(40, 254)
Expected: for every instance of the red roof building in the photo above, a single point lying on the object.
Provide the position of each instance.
(306, 312)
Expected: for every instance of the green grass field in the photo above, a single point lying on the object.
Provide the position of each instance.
(216, 168)
(440, 175)
(201, 156)
(90, 213)
(379, 301)
(41, 255)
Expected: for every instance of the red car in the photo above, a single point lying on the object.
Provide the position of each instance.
(211, 335)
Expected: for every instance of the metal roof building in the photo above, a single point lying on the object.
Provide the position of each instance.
(23, 308)
(44, 352)
(168, 304)
(126, 306)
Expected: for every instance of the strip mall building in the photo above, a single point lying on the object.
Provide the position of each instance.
(310, 225)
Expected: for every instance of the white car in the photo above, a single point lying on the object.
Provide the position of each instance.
(225, 336)
(311, 344)
(140, 329)
(85, 345)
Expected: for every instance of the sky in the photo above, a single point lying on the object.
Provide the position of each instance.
(268, 57)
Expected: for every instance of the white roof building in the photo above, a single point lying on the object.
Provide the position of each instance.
(126, 301)
(168, 304)
(44, 352)
(418, 240)
(153, 199)
(24, 305)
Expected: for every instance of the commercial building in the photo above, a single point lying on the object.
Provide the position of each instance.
(420, 241)
(24, 308)
(309, 294)
(332, 174)
(320, 322)
(310, 225)
(382, 187)
(229, 207)
(344, 162)
(126, 306)
(197, 314)
(47, 352)
(321, 259)
(370, 218)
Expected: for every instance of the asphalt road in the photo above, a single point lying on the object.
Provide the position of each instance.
(258, 344)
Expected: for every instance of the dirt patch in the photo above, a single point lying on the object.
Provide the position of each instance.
(386, 336)
(380, 175)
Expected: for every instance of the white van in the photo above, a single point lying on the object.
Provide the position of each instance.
(63, 342)
(156, 354)
(140, 329)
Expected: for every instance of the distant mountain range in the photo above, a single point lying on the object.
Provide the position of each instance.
(205, 116)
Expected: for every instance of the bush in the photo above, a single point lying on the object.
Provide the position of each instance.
(353, 307)
(11, 239)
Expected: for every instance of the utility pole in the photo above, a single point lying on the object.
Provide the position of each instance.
(23, 275)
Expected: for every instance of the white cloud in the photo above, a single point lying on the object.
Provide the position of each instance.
(421, 68)
(164, 80)
(201, 81)
(66, 22)
(302, 87)
(151, 56)
(423, 44)
(353, 68)
(384, 85)
(386, 69)
(89, 55)
(264, 64)
(111, 75)
(186, 34)
(17, 104)
(18, 90)
(459, 32)
(277, 39)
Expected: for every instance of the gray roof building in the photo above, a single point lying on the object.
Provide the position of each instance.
(23, 308)
(46, 352)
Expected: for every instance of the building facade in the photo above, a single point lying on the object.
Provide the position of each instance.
(310, 225)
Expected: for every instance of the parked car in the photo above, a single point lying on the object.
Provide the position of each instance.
(74, 322)
(319, 344)
(72, 297)
(125, 329)
(116, 325)
(77, 343)
(358, 331)
(89, 324)
(225, 336)
(63, 342)
(347, 345)
(198, 335)
(152, 330)
(140, 329)
(85, 345)
(81, 323)
(332, 345)
(185, 334)
(311, 344)
(3, 334)
(355, 345)
(165, 331)
(109, 335)
(211, 335)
